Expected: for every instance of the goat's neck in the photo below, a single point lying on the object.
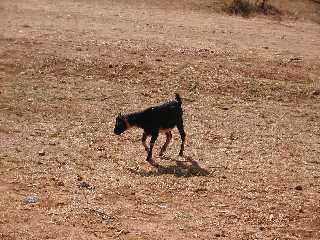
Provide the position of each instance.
(134, 119)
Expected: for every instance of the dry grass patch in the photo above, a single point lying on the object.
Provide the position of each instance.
(247, 8)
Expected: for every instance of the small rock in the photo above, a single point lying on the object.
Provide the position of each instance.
(224, 108)
(295, 59)
(42, 153)
(79, 177)
(60, 183)
(78, 48)
(31, 199)
(99, 197)
(52, 143)
(123, 231)
(299, 187)
(198, 190)
(26, 26)
(100, 148)
(316, 93)
(86, 185)
(60, 203)
(271, 217)
(163, 206)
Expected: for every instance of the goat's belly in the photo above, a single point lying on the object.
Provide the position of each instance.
(165, 130)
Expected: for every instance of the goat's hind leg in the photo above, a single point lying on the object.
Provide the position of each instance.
(154, 137)
(183, 137)
(144, 139)
(164, 147)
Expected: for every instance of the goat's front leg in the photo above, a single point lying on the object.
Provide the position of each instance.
(144, 138)
(154, 137)
(183, 138)
(164, 147)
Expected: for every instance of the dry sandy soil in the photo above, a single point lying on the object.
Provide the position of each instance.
(251, 99)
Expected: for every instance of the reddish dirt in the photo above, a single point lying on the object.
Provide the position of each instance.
(251, 99)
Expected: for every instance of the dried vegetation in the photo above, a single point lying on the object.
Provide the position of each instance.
(248, 8)
(251, 168)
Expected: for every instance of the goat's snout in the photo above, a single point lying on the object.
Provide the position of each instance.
(116, 131)
(120, 126)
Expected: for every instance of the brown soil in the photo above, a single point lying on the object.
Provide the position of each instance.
(251, 99)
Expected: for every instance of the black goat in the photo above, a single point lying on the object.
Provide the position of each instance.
(154, 120)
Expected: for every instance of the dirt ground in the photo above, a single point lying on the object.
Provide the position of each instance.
(251, 100)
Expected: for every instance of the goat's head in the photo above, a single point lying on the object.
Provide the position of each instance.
(121, 124)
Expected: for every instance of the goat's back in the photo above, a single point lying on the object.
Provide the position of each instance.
(163, 116)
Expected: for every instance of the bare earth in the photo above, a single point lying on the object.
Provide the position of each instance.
(251, 99)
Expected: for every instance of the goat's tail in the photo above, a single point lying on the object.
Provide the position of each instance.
(178, 98)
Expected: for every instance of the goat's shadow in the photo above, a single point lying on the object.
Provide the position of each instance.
(186, 168)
